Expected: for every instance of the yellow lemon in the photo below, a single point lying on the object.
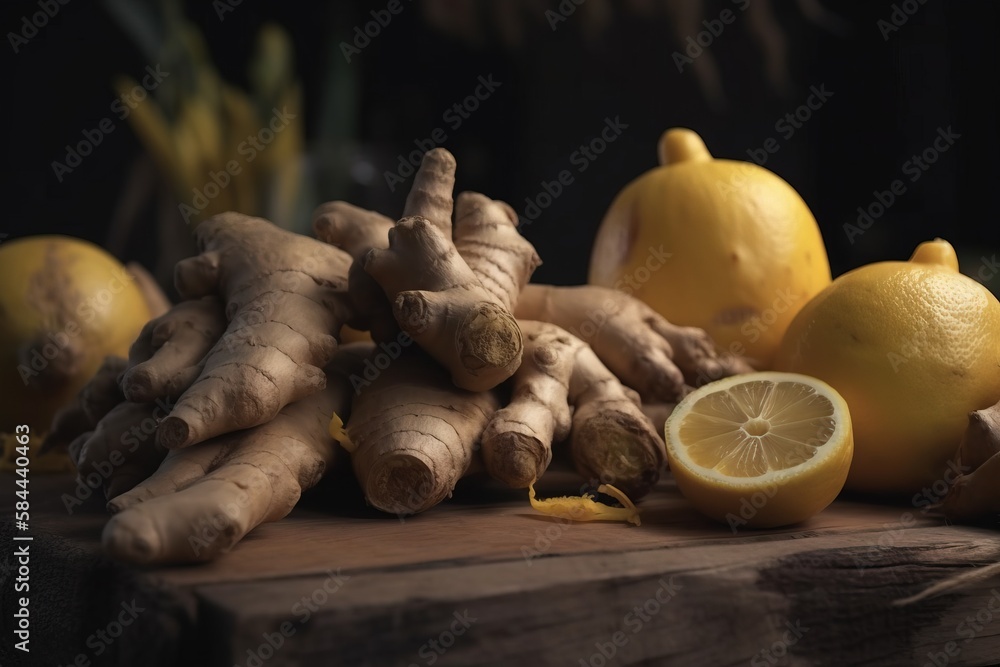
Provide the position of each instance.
(762, 449)
(724, 245)
(64, 305)
(913, 347)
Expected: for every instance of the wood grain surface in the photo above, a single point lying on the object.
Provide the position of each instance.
(483, 580)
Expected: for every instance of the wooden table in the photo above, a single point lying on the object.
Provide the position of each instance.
(482, 580)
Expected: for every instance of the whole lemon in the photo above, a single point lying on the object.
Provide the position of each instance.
(912, 347)
(64, 305)
(723, 245)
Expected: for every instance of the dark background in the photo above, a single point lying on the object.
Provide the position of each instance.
(889, 98)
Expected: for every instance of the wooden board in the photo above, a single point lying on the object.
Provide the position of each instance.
(500, 584)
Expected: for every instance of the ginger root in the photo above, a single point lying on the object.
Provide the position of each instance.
(105, 435)
(436, 297)
(413, 433)
(67, 424)
(658, 359)
(253, 360)
(976, 493)
(285, 298)
(94, 400)
(442, 306)
(167, 356)
(517, 442)
(357, 231)
(453, 298)
(610, 438)
(204, 499)
(121, 450)
(982, 438)
(486, 237)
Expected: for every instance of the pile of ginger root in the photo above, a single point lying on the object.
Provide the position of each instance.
(246, 393)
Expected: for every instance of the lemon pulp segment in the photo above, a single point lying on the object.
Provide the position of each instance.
(757, 427)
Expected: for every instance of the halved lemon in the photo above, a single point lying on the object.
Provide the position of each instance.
(762, 449)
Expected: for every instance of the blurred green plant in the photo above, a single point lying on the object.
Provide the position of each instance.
(206, 134)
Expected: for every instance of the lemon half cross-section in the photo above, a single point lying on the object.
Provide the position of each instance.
(761, 450)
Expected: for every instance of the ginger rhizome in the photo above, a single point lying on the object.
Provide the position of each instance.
(982, 438)
(611, 439)
(486, 237)
(94, 400)
(444, 308)
(415, 427)
(975, 493)
(192, 503)
(412, 434)
(121, 449)
(107, 436)
(657, 414)
(517, 443)
(203, 499)
(646, 352)
(357, 231)
(167, 356)
(435, 296)
(562, 389)
(286, 299)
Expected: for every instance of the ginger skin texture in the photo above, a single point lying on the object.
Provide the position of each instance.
(94, 400)
(562, 389)
(413, 434)
(449, 296)
(202, 500)
(167, 356)
(658, 359)
(975, 494)
(286, 299)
